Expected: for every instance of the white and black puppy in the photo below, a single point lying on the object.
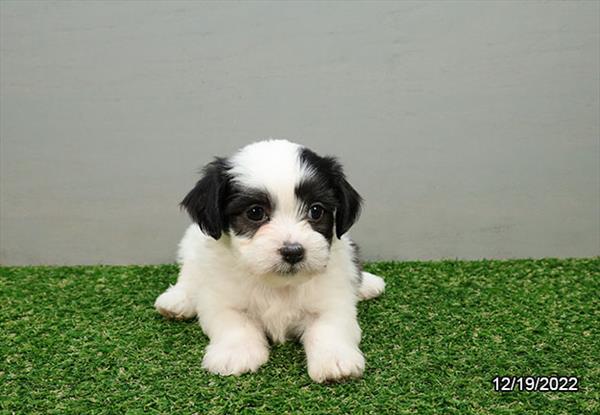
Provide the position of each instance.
(271, 259)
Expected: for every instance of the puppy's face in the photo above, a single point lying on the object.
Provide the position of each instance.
(281, 206)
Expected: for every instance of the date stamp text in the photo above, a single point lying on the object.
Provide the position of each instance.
(536, 383)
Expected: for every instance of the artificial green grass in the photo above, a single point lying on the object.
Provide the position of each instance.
(87, 340)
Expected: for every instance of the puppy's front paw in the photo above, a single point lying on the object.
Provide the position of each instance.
(234, 359)
(175, 304)
(336, 364)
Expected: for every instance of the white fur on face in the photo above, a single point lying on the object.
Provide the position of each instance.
(260, 254)
(274, 167)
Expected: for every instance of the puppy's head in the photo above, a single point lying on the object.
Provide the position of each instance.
(281, 206)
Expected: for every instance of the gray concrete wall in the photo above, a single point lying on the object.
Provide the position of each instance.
(471, 128)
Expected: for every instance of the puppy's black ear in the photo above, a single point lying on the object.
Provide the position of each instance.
(348, 199)
(205, 202)
(349, 202)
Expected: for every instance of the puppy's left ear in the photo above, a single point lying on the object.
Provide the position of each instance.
(349, 202)
(205, 202)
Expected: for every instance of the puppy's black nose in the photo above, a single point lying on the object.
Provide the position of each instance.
(292, 253)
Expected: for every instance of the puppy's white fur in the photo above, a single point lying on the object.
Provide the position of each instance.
(231, 284)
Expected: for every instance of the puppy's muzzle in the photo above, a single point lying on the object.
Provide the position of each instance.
(292, 253)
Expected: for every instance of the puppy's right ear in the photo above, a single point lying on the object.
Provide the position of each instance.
(205, 202)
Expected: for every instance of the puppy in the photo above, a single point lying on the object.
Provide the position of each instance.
(269, 258)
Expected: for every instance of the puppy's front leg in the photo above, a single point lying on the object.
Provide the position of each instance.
(331, 345)
(237, 343)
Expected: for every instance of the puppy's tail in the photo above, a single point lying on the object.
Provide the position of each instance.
(371, 286)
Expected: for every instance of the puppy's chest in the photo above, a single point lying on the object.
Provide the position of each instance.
(282, 314)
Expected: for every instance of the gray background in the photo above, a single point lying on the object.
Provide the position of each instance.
(471, 128)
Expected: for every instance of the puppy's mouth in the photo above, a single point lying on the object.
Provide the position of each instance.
(288, 270)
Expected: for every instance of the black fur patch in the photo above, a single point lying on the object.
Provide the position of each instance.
(312, 191)
(204, 203)
(330, 184)
(238, 202)
(217, 204)
(356, 261)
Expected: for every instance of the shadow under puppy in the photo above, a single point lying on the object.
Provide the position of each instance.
(271, 259)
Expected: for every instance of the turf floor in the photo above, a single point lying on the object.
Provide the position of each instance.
(87, 340)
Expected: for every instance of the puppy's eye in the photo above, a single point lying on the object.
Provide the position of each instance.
(256, 214)
(315, 212)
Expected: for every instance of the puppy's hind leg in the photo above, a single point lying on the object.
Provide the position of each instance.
(175, 303)
(371, 286)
